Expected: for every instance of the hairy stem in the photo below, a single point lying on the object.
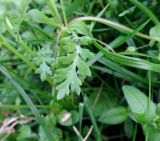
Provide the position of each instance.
(112, 24)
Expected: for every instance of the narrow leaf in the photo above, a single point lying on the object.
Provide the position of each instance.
(39, 17)
(29, 102)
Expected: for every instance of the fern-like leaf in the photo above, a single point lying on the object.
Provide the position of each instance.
(73, 67)
(44, 59)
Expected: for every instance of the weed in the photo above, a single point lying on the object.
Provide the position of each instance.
(79, 70)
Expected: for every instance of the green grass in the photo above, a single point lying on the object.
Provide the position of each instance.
(81, 69)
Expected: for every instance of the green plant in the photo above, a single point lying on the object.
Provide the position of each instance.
(65, 66)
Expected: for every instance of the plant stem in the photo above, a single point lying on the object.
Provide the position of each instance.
(15, 107)
(112, 24)
(134, 133)
(148, 106)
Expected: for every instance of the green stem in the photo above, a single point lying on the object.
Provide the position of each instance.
(148, 107)
(112, 24)
(14, 107)
(134, 133)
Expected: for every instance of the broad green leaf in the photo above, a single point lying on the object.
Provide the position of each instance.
(51, 122)
(25, 132)
(153, 133)
(138, 103)
(42, 135)
(155, 31)
(39, 17)
(114, 116)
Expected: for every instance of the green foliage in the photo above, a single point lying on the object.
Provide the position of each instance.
(72, 67)
(73, 70)
(39, 17)
(114, 116)
(153, 134)
(44, 59)
(25, 132)
(107, 100)
(144, 111)
(154, 31)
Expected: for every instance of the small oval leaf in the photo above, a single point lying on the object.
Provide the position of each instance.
(138, 103)
(114, 116)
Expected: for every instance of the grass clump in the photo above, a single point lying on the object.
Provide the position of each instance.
(79, 70)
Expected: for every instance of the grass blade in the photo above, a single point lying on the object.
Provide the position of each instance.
(93, 120)
(22, 57)
(54, 11)
(29, 103)
(132, 34)
(64, 13)
(113, 44)
(129, 61)
(81, 107)
(146, 10)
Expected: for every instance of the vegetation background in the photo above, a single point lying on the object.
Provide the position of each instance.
(79, 70)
